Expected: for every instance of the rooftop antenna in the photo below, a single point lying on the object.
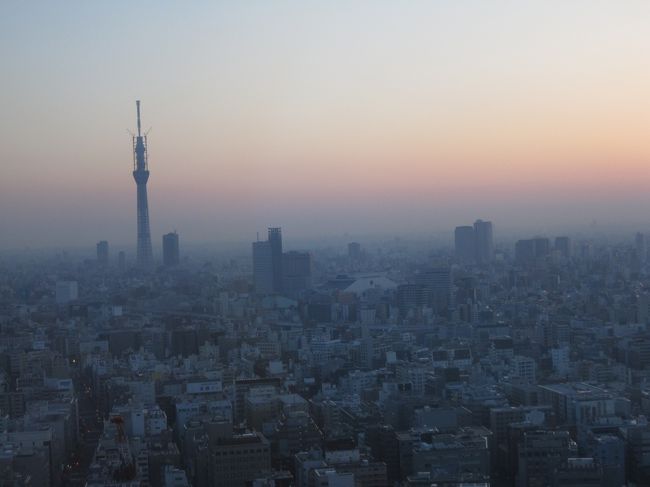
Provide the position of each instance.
(137, 104)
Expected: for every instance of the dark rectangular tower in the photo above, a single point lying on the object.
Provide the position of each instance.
(141, 176)
(275, 240)
(171, 251)
(484, 243)
(102, 253)
(263, 267)
(465, 243)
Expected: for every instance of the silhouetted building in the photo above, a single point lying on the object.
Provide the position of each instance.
(354, 251)
(275, 240)
(267, 263)
(484, 242)
(102, 253)
(263, 267)
(531, 250)
(563, 246)
(171, 252)
(410, 297)
(465, 243)
(296, 272)
(436, 283)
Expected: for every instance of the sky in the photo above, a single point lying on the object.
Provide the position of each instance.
(323, 117)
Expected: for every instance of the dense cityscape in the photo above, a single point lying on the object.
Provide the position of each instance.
(335, 243)
(367, 365)
(480, 366)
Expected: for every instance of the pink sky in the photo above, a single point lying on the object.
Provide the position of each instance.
(339, 117)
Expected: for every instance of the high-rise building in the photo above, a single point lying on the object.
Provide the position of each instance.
(263, 267)
(563, 246)
(102, 252)
(171, 253)
(531, 250)
(275, 240)
(484, 241)
(436, 282)
(465, 243)
(296, 272)
(267, 263)
(354, 251)
(141, 176)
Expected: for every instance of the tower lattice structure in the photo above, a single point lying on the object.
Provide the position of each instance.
(141, 176)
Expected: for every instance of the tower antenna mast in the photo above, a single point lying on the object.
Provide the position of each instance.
(137, 104)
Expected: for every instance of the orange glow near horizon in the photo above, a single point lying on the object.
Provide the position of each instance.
(255, 108)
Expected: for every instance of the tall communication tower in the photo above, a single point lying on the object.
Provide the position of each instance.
(141, 176)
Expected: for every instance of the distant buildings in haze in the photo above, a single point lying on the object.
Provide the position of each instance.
(474, 244)
(102, 253)
(275, 271)
(171, 252)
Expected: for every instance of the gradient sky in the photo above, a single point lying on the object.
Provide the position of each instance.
(359, 117)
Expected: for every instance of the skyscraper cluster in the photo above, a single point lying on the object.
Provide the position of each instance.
(275, 271)
(474, 244)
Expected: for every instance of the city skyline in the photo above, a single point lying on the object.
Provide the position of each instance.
(346, 244)
(422, 116)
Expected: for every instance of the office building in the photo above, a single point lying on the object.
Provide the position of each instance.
(540, 453)
(275, 240)
(267, 263)
(102, 253)
(484, 242)
(263, 267)
(465, 243)
(583, 472)
(296, 272)
(238, 459)
(171, 252)
(563, 246)
(436, 283)
(530, 251)
(354, 251)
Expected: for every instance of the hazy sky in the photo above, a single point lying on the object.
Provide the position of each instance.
(351, 116)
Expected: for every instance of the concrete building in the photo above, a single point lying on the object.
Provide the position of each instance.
(239, 459)
(465, 244)
(540, 453)
(484, 242)
(296, 272)
(102, 253)
(171, 250)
